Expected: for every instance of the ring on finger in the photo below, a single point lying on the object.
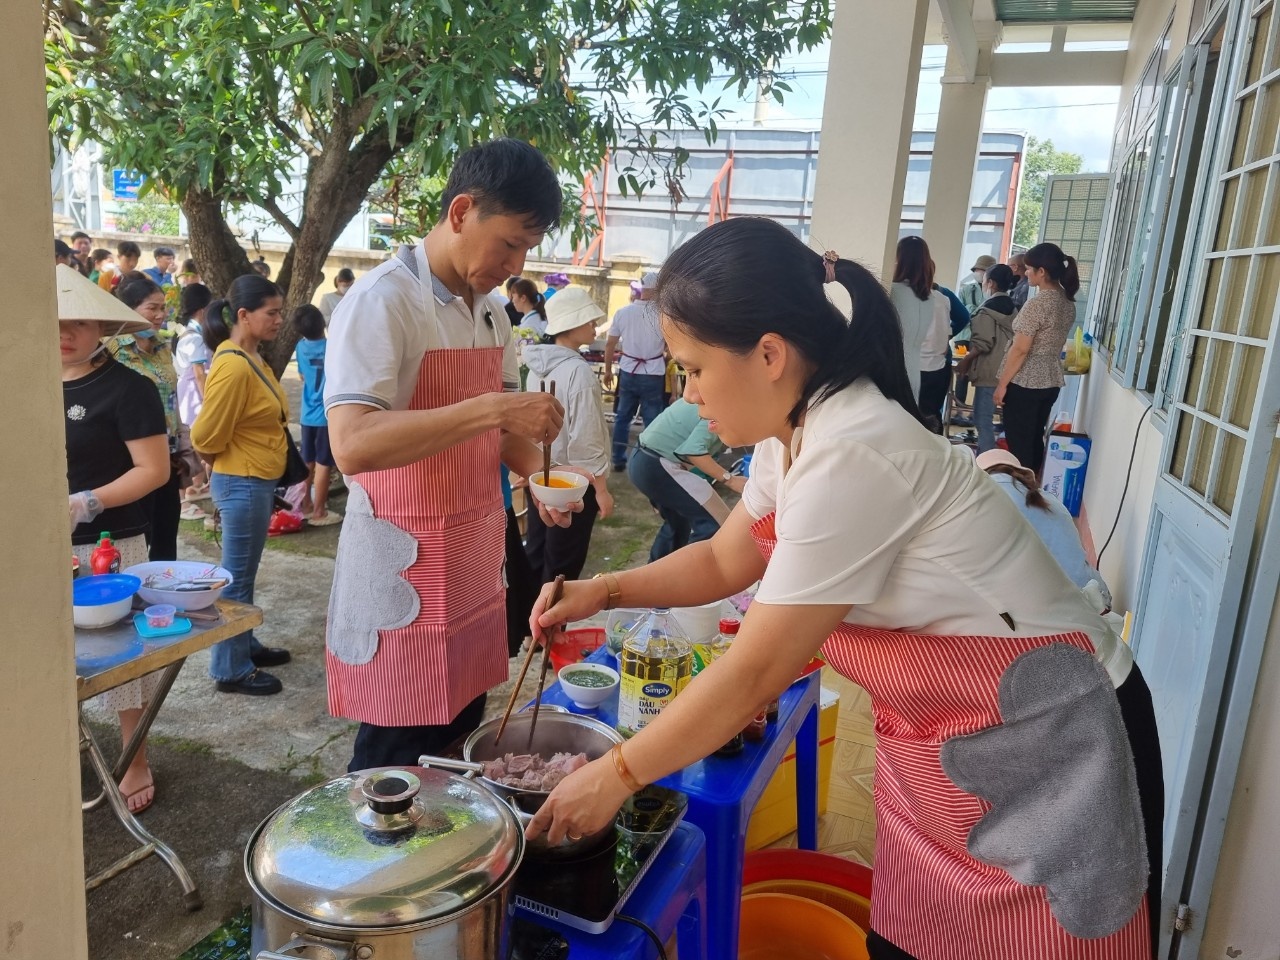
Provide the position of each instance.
(572, 837)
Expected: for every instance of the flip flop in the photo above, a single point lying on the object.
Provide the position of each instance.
(128, 797)
(328, 520)
(191, 511)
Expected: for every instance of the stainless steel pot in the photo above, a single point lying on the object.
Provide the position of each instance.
(554, 733)
(409, 864)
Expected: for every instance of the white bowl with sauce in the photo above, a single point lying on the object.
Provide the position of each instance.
(566, 488)
(588, 684)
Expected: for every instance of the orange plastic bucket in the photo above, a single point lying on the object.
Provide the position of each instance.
(832, 881)
(787, 864)
(778, 926)
(853, 905)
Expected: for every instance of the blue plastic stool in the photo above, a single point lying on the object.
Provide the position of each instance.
(671, 899)
(723, 792)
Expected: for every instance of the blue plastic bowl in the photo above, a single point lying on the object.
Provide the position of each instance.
(103, 589)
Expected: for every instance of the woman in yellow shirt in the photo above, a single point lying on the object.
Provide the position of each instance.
(240, 433)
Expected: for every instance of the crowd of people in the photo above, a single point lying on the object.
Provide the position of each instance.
(413, 388)
(173, 415)
(1012, 321)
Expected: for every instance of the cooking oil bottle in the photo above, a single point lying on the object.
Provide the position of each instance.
(655, 663)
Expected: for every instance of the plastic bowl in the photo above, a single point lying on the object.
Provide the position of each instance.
(180, 570)
(160, 615)
(102, 600)
(574, 646)
(776, 926)
(787, 864)
(559, 497)
(588, 697)
(853, 905)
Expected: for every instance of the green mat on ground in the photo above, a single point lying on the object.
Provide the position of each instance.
(229, 942)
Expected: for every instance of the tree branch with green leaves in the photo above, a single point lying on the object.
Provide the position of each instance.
(225, 101)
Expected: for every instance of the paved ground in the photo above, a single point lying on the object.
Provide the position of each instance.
(223, 762)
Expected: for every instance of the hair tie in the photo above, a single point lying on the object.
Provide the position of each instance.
(227, 316)
(829, 260)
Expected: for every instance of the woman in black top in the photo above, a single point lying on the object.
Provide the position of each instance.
(117, 453)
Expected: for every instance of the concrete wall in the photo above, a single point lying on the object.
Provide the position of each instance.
(359, 261)
(42, 900)
(1111, 422)
(1110, 412)
(1242, 922)
(609, 284)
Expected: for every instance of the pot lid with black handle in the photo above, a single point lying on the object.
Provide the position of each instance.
(385, 847)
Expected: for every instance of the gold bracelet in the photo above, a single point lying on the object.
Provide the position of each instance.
(620, 765)
(610, 584)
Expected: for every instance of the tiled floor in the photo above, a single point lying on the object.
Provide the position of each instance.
(848, 828)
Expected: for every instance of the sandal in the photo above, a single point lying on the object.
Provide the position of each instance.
(329, 519)
(142, 806)
(191, 511)
(197, 494)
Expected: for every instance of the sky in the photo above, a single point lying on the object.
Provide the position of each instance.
(1077, 119)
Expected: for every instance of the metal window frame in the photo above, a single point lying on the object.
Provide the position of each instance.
(1204, 206)
(1246, 596)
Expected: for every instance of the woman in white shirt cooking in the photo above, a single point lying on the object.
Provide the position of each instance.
(583, 440)
(1018, 786)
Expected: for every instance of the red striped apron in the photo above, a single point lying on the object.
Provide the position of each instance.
(456, 648)
(931, 898)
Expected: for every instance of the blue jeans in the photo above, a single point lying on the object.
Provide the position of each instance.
(245, 505)
(636, 391)
(684, 520)
(984, 413)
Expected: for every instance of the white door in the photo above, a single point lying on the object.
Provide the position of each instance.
(1218, 443)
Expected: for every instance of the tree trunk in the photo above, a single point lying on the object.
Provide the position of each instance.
(214, 247)
(337, 183)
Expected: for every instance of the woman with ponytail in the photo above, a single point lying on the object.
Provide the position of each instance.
(240, 433)
(924, 314)
(531, 305)
(877, 542)
(1032, 373)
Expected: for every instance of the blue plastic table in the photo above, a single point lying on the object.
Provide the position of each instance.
(723, 792)
(672, 899)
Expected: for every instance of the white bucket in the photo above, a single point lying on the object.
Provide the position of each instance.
(700, 623)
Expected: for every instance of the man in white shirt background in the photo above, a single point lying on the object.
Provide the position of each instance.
(642, 366)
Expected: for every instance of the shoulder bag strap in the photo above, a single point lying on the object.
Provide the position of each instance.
(263, 377)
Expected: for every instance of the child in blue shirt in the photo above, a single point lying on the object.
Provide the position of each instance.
(309, 321)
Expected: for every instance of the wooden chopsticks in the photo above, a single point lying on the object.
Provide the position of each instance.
(546, 447)
(524, 669)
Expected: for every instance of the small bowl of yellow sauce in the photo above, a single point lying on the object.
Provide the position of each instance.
(559, 490)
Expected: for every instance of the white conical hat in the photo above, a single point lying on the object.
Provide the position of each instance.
(79, 298)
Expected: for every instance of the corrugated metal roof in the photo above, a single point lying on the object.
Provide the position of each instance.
(1065, 11)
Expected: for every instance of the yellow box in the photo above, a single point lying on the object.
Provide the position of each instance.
(775, 813)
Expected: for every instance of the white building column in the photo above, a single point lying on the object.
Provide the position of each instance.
(955, 154)
(866, 129)
(42, 901)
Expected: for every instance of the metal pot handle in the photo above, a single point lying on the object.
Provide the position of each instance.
(465, 767)
(332, 950)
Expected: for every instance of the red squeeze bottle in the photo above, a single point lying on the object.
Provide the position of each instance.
(105, 558)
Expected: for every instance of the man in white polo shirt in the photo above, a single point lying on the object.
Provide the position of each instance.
(418, 380)
(642, 366)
